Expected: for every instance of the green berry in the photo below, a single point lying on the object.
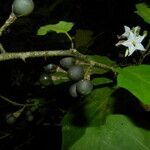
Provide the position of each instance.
(45, 80)
(50, 68)
(30, 118)
(34, 108)
(84, 87)
(76, 73)
(22, 7)
(28, 113)
(10, 119)
(67, 62)
(73, 90)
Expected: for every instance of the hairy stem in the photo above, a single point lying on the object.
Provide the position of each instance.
(52, 53)
(33, 54)
(8, 22)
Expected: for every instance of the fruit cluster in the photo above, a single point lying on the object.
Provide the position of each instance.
(11, 118)
(76, 73)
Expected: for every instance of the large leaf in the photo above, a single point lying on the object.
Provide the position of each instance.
(118, 133)
(143, 11)
(103, 60)
(136, 79)
(91, 111)
(60, 27)
(102, 80)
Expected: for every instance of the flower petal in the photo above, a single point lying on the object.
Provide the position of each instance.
(132, 36)
(131, 50)
(140, 38)
(139, 46)
(126, 28)
(127, 43)
(127, 32)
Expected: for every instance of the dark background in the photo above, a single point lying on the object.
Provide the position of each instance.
(17, 78)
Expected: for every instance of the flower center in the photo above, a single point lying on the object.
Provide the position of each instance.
(133, 42)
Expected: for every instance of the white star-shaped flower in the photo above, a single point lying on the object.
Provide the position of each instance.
(127, 32)
(133, 43)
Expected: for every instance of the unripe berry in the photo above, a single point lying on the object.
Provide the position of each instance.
(84, 87)
(76, 73)
(50, 68)
(10, 119)
(22, 7)
(30, 118)
(45, 80)
(28, 113)
(73, 90)
(67, 62)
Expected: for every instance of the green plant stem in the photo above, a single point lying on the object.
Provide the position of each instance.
(94, 63)
(87, 72)
(14, 103)
(70, 38)
(8, 22)
(4, 136)
(52, 53)
(146, 53)
(2, 50)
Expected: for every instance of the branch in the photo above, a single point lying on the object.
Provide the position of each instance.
(52, 53)
(33, 54)
(8, 22)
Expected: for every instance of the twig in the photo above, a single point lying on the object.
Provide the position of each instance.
(33, 54)
(4, 136)
(2, 50)
(146, 53)
(52, 53)
(14, 103)
(8, 22)
(24, 143)
(87, 73)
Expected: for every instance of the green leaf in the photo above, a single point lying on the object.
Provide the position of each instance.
(83, 39)
(91, 111)
(101, 59)
(118, 133)
(99, 81)
(143, 11)
(98, 105)
(60, 27)
(136, 79)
